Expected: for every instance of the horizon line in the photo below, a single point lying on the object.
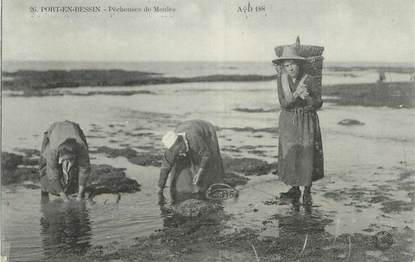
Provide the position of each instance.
(197, 61)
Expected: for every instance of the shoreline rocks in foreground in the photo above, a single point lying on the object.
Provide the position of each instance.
(106, 179)
(14, 171)
(248, 166)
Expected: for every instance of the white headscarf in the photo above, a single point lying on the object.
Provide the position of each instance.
(170, 138)
(66, 168)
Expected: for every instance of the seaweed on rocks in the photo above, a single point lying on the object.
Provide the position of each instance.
(107, 179)
(103, 178)
(12, 173)
(248, 166)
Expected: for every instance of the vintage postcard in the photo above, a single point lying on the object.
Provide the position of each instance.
(223, 130)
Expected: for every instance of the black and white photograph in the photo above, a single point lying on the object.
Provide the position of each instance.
(220, 130)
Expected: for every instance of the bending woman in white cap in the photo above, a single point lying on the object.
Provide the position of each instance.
(195, 140)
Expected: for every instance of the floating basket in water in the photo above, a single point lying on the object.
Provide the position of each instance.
(221, 192)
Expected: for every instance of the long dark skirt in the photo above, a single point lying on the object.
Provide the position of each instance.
(300, 151)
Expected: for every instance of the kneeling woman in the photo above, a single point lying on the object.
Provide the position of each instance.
(192, 158)
(300, 153)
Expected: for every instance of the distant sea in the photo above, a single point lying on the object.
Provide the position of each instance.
(181, 69)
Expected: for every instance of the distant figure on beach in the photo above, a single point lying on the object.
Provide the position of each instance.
(192, 158)
(300, 153)
(382, 77)
(64, 161)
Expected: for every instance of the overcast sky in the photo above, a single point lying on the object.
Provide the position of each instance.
(354, 30)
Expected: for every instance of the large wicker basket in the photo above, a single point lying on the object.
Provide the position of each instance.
(302, 50)
(314, 66)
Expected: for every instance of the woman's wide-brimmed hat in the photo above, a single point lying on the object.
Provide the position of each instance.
(288, 53)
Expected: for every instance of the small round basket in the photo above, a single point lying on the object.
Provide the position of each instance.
(384, 240)
(221, 192)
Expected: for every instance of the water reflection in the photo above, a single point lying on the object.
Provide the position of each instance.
(311, 220)
(165, 212)
(65, 228)
(295, 203)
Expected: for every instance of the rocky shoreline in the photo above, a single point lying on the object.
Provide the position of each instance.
(21, 169)
(18, 168)
(31, 81)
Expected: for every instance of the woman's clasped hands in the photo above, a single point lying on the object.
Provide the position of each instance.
(301, 92)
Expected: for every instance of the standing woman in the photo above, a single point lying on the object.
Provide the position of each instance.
(300, 153)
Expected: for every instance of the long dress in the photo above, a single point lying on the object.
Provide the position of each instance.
(300, 152)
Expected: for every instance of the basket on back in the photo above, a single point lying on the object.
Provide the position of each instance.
(313, 63)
